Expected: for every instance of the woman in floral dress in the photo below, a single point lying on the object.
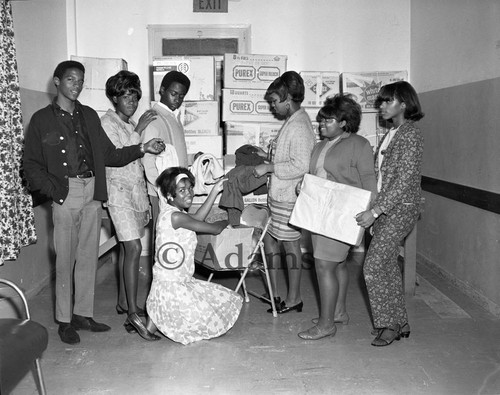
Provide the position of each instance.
(183, 308)
(128, 203)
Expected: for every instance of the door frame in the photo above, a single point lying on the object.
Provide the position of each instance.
(156, 33)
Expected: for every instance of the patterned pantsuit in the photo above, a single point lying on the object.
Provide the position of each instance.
(381, 271)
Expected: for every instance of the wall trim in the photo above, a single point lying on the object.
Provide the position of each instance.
(480, 198)
(480, 299)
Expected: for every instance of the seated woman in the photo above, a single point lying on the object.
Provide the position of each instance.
(183, 308)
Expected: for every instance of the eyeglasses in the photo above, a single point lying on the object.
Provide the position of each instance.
(327, 121)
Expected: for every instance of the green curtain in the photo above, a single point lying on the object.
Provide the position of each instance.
(17, 227)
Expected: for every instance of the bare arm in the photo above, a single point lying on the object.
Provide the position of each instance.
(203, 211)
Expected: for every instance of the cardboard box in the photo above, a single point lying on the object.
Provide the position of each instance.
(247, 105)
(228, 250)
(364, 86)
(319, 85)
(372, 128)
(252, 71)
(206, 144)
(241, 133)
(97, 72)
(199, 69)
(200, 118)
(328, 208)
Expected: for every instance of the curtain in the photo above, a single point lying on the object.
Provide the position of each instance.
(17, 225)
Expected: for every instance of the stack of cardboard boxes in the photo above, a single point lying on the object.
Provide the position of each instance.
(246, 114)
(364, 87)
(97, 72)
(200, 112)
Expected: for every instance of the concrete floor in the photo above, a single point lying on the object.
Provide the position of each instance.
(454, 348)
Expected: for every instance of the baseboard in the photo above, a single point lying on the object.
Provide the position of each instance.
(480, 299)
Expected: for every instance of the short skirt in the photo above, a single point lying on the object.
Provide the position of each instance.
(279, 227)
(328, 249)
(129, 224)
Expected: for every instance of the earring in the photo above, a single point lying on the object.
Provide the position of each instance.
(170, 198)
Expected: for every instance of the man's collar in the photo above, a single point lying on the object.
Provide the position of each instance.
(167, 109)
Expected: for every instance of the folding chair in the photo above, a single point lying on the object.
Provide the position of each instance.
(22, 342)
(258, 217)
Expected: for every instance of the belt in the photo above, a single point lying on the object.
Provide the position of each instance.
(86, 174)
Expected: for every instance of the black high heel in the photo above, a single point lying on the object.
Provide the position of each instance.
(392, 333)
(129, 327)
(283, 308)
(134, 320)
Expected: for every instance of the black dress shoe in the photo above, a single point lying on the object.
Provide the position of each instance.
(87, 323)
(134, 320)
(283, 308)
(120, 310)
(68, 334)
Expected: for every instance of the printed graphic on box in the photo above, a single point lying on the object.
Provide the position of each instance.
(365, 86)
(252, 71)
(319, 85)
(200, 118)
(199, 69)
(245, 105)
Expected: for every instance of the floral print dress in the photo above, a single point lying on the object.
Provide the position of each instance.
(182, 307)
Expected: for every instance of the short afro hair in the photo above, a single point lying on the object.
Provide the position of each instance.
(66, 65)
(175, 76)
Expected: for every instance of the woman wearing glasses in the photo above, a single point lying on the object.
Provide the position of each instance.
(344, 157)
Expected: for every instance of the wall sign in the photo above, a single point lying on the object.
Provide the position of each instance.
(210, 6)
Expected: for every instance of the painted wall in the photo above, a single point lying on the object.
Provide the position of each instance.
(36, 25)
(334, 35)
(337, 35)
(455, 63)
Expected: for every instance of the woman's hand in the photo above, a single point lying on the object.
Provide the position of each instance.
(260, 152)
(154, 146)
(145, 120)
(262, 169)
(365, 219)
(219, 186)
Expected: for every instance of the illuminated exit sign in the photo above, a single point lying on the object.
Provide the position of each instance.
(210, 5)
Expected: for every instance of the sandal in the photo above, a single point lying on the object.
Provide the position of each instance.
(387, 335)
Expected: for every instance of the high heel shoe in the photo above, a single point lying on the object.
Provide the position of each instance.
(282, 308)
(405, 331)
(340, 319)
(120, 310)
(134, 320)
(315, 333)
(387, 335)
(129, 327)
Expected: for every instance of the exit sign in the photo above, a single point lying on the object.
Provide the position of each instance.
(210, 5)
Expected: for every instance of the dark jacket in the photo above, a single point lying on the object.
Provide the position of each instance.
(45, 157)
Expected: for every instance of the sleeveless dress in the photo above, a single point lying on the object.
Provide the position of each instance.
(183, 308)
